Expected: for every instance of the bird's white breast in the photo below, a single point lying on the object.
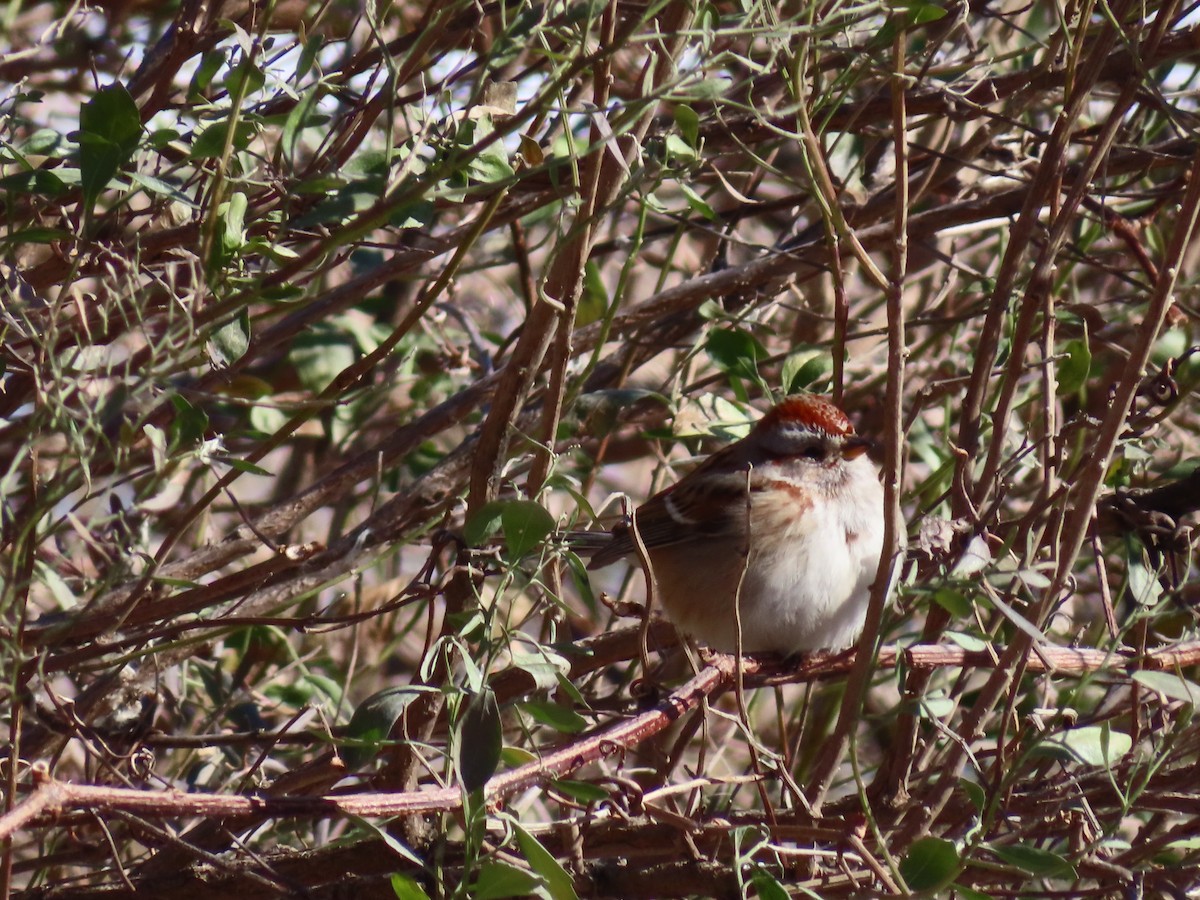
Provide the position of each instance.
(808, 577)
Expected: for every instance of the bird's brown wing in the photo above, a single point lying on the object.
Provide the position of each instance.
(683, 512)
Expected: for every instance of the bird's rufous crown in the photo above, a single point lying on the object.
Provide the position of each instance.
(812, 412)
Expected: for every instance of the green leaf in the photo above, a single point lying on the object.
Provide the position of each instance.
(930, 865)
(688, 123)
(245, 73)
(968, 642)
(489, 168)
(210, 143)
(321, 354)
(767, 885)
(704, 89)
(210, 64)
(697, 203)
(480, 738)
(390, 841)
(189, 424)
(231, 341)
(800, 371)
(307, 56)
(735, 351)
(373, 721)
(491, 163)
(545, 666)
(109, 130)
(298, 118)
(233, 223)
(1169, 685)
(183, 583)
(160, 138)
(936, 706)
(35, 235)
(418, 214)
(555, 715)
(558, 882)
(498, 880)
(975, 793)
(1143, 583)
(267, 419)
(1075, 369)
(340, 205)
(112, 115)
(579, 578)
(244, 465)
(953, 601)
(526, 524)
(406, 888)
(920, 12)
(43, 142)
(602, 409)
(594, 300)
(484, 523)
(1092, 745)
(64, 597)
(582, 791)
(1035, 861)
(966, 893)
(161, 188)
(678, 148)
(39, 181)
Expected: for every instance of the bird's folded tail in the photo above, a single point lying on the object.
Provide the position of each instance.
(595, 546)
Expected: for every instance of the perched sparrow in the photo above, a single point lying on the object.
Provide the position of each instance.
(786, 523)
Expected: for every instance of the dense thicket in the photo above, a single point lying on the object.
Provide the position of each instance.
(320, 319)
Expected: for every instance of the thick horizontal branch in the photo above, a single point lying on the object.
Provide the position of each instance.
(52, 798)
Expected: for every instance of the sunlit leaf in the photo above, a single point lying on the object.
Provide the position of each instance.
(1169, 685)
(558, 882)
(109, 130)
(498, 880)
(555, 715)
(526, 524)
(1092, 745)
(406, 888)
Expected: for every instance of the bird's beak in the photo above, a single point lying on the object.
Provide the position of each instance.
(855, 447)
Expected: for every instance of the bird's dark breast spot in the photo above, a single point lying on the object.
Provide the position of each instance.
(851, 536)
(797, 493)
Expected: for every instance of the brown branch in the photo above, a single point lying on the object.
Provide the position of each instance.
(52, 798)
(1086, 487)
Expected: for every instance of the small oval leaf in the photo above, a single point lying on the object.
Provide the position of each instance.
(480, 736)
(372, 722)
(558, 882)
(555, 715)
(526, 524)
(484, 523)
(498, 880)
(931, 864)
(1035, 861)
(1092, 745)
(1169, 685)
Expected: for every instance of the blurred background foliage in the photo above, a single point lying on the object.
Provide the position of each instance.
(319, 319)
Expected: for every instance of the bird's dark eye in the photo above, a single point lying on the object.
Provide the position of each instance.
(816, 453)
